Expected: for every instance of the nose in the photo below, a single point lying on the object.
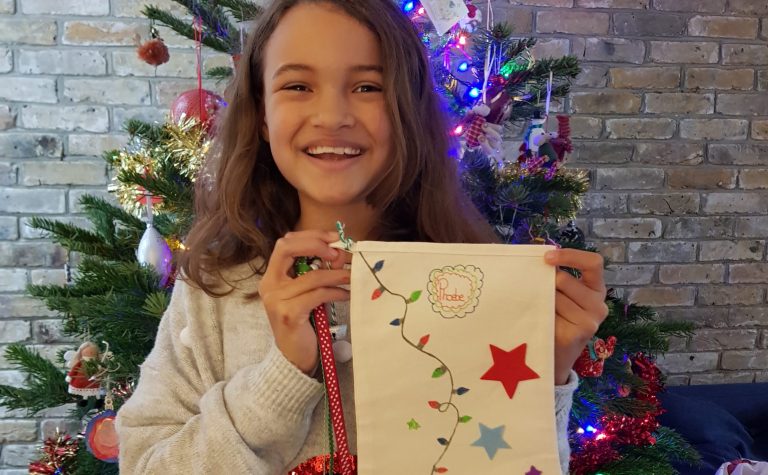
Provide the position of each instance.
(332, 110)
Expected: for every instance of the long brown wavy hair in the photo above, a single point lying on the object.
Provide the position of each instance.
(243, 204)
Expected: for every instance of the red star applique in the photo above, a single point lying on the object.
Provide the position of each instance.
(509, 368)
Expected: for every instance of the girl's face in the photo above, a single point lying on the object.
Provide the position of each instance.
(326, 118)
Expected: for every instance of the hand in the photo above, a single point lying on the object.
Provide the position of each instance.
(288, 301)
(579, 305)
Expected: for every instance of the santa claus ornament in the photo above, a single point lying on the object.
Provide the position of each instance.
(80, 382)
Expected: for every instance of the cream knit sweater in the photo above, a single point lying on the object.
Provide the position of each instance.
(216, 396)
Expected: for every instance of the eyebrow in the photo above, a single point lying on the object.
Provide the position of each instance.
(304, 67)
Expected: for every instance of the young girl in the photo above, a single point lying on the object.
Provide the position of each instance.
(331, 116)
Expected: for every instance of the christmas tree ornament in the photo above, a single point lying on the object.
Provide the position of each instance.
(154, 250)
(58, 453)
(101, 435)
(592, 359)
(80, 382)
(154, 51)
(200, 104)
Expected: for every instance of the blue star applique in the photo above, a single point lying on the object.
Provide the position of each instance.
(491, 440)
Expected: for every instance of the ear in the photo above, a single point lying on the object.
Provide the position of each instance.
(265, 132)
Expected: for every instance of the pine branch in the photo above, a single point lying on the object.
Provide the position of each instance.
(220, 72)
(242, 10)
(184, 28)
(46, 385)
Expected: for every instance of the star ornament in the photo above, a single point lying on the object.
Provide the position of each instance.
(533, 471)
(509, 368)
(491, 440)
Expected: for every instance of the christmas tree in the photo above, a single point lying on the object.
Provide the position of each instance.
(491, 84)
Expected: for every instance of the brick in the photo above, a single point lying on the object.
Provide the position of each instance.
(604, 204)
(108, 91)
(522, 18)
(677, 344)
(702, 317)
(692, 274)
(723, 377)
(751, 178)
(25, 200)
(13, 331)
(180, 65)
(662, 251)
(6, 60)
(48, 277)
(165, 92)
(723, 27)
(640, 128)
(634, 4)
(684, 52)
(702, 178)
(754, 359)
(722, 203)
(752, 226)
(573, 22)
(645, 78)
(704, 6)
(688, 362)
(551, 48)
(13, 280)
(147, 114)
(50, 427)
(7, 117)
(8, 7)
(20, 145)
(627, 228)
(586, 127)
(745, 54)
(617, 102)
(730, 294)
(731, 250)
(713, 78)
(31, 254)
(94, 144)
(597, 152)
(592, 75)
(679, 103)
(63, 173)
(664, 203)
(764, 28)
(764, 340)
(648, 24)
(756, 273)
(71, 118)
(543, 3)
(748, 7)
(13, 431)
(678, 379)
(760, 129)
(747, 317)
(8, 174)
(30, 32)
(19, 455)
(715, 227)
(629, 178)
(742, 104)
(714, 129)
(69, 62)
(612, 251)
(9, 228)
(132, 8)
(738, 154)
(663, 296)
(29, 89)
(617, 50)
(65, 7)
(731, 339)
(22, 306)
(669, 153)
(49, 331)
(101, 33)
(629, 275)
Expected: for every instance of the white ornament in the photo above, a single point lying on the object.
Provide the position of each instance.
(154, 251)
(342, 351)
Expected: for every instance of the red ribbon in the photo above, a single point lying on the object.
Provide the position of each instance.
(331, 378)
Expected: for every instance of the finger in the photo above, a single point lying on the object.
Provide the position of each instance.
(575, 289)
(312, 280)
(571, 312)
(296, 311)
(288, 249)
(345, 257)
(589, 264)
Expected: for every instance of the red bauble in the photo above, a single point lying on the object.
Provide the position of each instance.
(188, 105)
(154, 52)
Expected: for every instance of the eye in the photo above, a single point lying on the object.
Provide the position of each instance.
(368, 88)
(296, 87)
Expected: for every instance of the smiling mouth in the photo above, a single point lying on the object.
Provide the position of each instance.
(333, 153)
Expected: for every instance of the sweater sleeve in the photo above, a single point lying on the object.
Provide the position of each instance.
(563, 403)
(180, 420)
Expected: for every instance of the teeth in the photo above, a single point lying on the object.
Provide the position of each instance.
(335, 150)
